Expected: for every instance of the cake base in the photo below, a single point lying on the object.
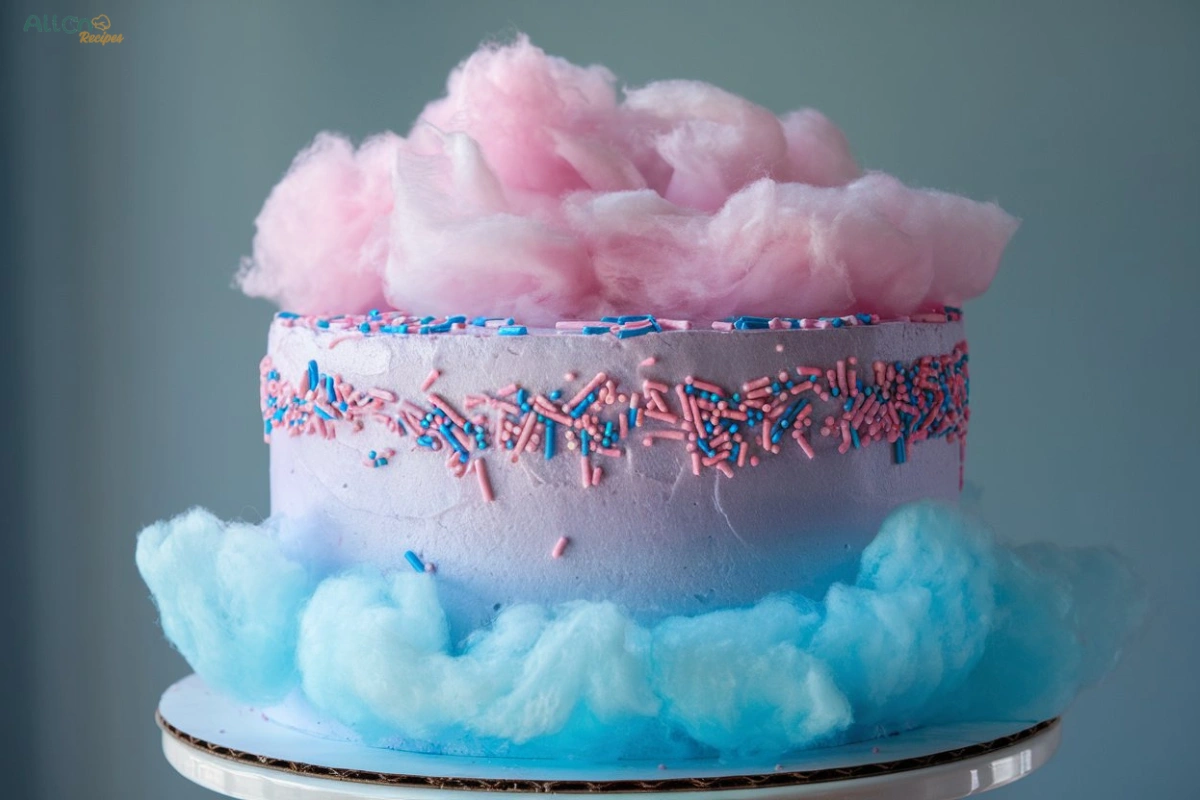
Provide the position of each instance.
(240, 752)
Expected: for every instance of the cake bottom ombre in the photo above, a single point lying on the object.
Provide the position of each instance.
(940, 624)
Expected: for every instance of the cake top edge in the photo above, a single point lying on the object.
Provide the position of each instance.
(620, 327)
(537, 189)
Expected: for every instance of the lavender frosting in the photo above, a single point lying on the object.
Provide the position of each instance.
(652, 536)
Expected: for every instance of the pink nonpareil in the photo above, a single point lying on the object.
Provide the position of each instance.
(535, 189)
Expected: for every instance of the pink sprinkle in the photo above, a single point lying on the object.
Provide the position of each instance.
(722, 326)
(523, 439)
(648, 361)
(675, 324)
(778, 348)
(448, 410)
(560, 547)
(507, 390)
(611, 452)
(705, 386)
(485, 484)
(754, 461)
(335, 341)
(597, 474)
(429, 379)
(695, 462)
(585, 472)
(383, 394)
(430, 567)
(725, 469)
(805, 446)
(683, 402)
(668, 418)
(570, 376)
(594, 383)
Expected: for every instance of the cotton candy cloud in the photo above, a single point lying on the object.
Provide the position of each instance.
(535, 188)
(942, 623)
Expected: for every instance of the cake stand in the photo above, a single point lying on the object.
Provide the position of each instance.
(240, 752)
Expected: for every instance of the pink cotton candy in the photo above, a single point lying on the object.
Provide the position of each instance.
(531, 189)
(323, 233)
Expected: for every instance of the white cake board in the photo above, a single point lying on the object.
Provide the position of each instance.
(240, 752)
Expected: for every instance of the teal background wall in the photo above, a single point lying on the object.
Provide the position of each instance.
(132, 174)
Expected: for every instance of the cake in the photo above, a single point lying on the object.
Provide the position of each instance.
(620, 429)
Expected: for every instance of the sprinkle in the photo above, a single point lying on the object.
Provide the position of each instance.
(512, 330)
(597, 474)
(485, 483)
(549, 444)
(668, 418)
(430, 379)
(560, 547)
(523, 438)
(414, 561)
(585, 472)
(648, 361)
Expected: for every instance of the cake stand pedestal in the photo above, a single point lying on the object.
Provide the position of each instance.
(240, 752)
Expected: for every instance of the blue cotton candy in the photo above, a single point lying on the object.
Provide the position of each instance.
(740, 681)
(228, 599)
(915, 622)
(941, 624)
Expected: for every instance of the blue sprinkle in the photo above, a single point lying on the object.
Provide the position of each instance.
(615, 320)
(556, 394)
(585, 441)
(381, 462)
(373, 313)
(549, 452)
(313, 375)
(287, 315)
(329, 390)
(371, 454)
(365, 327)
(267, 426)
(512, 330)
(322, 323)
(854, 437)
(412, 559)
(629, 334)
(901, 456)
(594, 330)
(634, 318)
(321, 411)
(457, 319)
(632, 417)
